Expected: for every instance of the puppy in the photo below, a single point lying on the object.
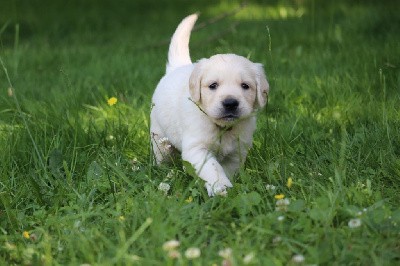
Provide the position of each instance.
(206, 110)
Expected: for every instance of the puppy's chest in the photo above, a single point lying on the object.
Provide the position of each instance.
(226, 145)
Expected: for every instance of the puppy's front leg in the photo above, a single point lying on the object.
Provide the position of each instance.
(208, 169)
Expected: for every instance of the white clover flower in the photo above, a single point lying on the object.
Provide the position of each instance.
(9, 246)
(164, 187)
(298, 258)
(165, 144)
(134, 258)
(162, 140)
(276, 240)
(354, 223)
(270, 187)
(248, 258)
(281, 218)
(174, 254)
(225, 253)
(171, 245)
(60, 247)
(27, 255)
(135, 164)
(192, 253)
(171, 174)
(281, 204)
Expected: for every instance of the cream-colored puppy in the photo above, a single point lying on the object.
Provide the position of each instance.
(206, 110)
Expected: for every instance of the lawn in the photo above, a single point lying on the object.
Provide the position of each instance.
(78, 185)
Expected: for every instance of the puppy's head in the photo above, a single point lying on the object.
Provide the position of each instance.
(228, 87)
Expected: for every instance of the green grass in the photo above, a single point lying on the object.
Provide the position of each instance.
(77, 174)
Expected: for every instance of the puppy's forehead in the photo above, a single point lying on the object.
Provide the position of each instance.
(230, 60)
(230, 65)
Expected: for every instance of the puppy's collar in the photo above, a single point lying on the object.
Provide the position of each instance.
(198, 106)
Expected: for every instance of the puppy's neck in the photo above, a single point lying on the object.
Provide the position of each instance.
(224, 128)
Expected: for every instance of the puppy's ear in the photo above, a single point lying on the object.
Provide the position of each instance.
(262, 86)
(195, 82)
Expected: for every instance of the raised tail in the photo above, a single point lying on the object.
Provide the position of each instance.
(178, 54)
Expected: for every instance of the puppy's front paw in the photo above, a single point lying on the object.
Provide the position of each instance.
(218, 188)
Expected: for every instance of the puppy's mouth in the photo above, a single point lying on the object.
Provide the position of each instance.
(229, 117)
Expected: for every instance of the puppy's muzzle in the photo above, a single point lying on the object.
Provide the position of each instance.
(230, 104)
(230, 109)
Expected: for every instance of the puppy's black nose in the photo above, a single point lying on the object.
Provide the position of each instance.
(230, 104)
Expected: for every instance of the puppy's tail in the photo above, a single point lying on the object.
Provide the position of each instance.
(178, 54)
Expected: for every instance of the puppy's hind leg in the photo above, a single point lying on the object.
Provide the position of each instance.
(162, 148)
(156, 147)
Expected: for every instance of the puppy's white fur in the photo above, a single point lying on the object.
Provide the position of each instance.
(206, 110)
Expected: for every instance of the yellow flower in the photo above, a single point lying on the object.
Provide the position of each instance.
(121, 218)
(112, 101)
(279, 196)
(25, 234)
(189, 200)
(289, 182)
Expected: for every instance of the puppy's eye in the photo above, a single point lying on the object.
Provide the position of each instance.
(245, 86)
(213, 86)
